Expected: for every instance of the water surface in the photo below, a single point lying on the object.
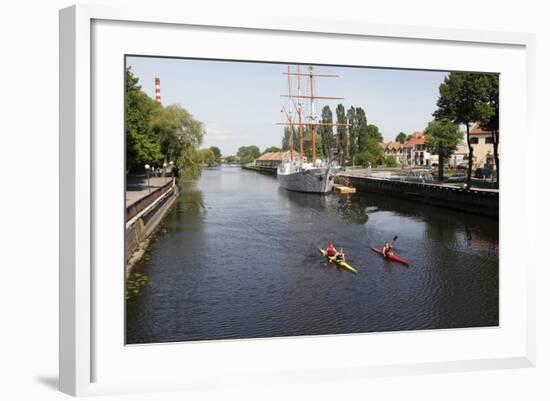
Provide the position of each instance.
(238, 258)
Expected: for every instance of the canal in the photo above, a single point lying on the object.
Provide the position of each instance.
(238, 258)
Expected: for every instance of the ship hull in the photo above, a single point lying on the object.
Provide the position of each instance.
(318, 180)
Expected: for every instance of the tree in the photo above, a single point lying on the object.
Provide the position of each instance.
(217, 154)
(326, 132)
(362, 129)
(180, 137)
(352, 131)
(490, 115)
(157, 134)
(442, 131)
(460, 95)
(248, 154)
(401, 137)
(207, 157)
(141, 146)
(286, 139)
(374, 156)
(272, 149)
(390, 161)
(342, 134)
(229, 159)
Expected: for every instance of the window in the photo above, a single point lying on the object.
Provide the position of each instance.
(474, 141)
(489, 139)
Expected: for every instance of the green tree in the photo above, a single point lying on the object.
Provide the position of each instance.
(390, 161)
(374, 156)
(141, 146)
(342, 134)
(217, 154)
(401, 137)
(352, 131)
(248, 154)
(489, 109)
(325, 132)
(460, 96)
(207, 157)
(286, 139)
(179, 137)
(271, 149)
(442, 131)
(362, 129)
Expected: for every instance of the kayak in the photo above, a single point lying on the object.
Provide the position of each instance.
(338, 262)
(391, 257)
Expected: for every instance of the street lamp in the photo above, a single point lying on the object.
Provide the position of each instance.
(171, 170)
(164, 170)
(147, 168)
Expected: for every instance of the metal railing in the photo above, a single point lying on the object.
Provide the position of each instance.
(135, 208)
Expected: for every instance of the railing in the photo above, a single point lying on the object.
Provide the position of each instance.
(135, 208)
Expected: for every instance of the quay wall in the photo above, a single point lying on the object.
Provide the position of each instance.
(145, 221)
(479, 202)
(261, 169)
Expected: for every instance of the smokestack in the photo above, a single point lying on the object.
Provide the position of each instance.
(157, 89)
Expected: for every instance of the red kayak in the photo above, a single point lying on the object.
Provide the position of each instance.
(391, 257)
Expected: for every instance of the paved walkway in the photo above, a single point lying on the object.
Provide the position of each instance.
(138, 187)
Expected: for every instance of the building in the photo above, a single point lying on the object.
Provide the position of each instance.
(460, 155)
(412, 152)
(273, 159)
(482, 144)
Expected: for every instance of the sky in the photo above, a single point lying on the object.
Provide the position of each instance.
(240, 102)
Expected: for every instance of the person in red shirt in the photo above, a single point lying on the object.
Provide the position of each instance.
(331, 251)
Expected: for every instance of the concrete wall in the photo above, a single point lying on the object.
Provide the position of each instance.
(140, 229)
(478, 202)
(262, 169)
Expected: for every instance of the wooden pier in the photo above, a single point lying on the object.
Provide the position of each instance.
(343, 189)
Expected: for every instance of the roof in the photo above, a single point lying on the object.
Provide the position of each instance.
(276, 156)
(477, 130)
(416, 138)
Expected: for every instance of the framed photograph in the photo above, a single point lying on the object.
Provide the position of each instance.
(274, 201)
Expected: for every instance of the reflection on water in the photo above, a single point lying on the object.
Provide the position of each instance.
(238, 258)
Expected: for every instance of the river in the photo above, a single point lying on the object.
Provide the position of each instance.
(238, 258)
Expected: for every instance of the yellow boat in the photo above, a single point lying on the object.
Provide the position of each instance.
(338, 262)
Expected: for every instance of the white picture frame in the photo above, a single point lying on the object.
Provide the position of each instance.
(95, 361)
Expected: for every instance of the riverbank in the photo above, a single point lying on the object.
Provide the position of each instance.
(260, 169)
(483, 202)
(147, 204)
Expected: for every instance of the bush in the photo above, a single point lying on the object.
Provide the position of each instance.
(390, 161)
(366, 157)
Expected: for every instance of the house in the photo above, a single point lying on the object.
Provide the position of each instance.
(460, 155)
(482, 144)
(273, 159)
(412, 152)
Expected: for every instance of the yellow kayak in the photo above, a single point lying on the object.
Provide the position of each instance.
(338, 262)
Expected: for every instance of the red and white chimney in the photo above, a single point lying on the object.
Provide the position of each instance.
(157, 89)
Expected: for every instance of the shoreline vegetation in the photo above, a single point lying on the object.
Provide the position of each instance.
(158, 135)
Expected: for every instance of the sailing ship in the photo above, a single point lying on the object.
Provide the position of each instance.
(296, 173)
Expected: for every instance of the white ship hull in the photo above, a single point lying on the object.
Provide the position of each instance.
(313, 180)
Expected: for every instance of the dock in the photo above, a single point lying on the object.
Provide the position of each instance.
(343, 189)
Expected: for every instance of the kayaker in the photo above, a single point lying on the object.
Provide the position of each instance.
(330, 250)
(341, 256)
(387, 249)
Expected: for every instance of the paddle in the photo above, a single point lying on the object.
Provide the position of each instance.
(393, 240)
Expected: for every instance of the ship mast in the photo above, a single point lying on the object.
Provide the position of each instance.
(313, 147)
(300, 118)
(312, 96)
(291, 135)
